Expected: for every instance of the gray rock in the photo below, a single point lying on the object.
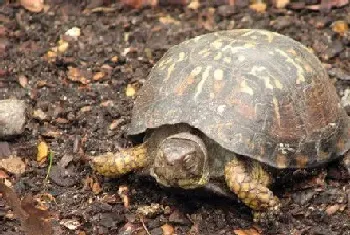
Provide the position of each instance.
(12, 117)
(4, 149)
(303, 197)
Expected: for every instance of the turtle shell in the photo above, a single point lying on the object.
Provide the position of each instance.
(256, 93)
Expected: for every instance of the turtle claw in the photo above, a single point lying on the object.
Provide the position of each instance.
(269, 216)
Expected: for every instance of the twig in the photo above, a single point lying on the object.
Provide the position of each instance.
(145, 227)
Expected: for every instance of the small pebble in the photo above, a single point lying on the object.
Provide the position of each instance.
(12, 117)
(168, 229)
(178, 218)
(332, 209)
(226, 10)
(4, 149)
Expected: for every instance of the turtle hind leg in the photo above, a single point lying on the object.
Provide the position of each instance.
(120, 163)
(250, 183)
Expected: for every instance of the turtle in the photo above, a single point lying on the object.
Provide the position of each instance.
(235, 105)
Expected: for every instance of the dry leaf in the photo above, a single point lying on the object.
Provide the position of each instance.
(3, 175)
(43, 151)
(107, 69)
(85, 109)
(71, 224)
(62, 46)
(109, 198)
(115, 59)
(98, 76)
(107, 103)
(13, 165)
(129, 50)
(8, 183)
(74, 74)
(258, 7)
(130, 90)
(33, 5)
(194, 5)
(39, 114)
(139, 3)
(115, 124)
(168, 229)
(81, 232)
(51, 55)
(340, 27)
(131, 228)
(251, 231)
(51, 134)
(100, 9)
(123, 193)
(280, 3)
(332, 209)
(23, 81)
(168, 20)
(88, 182)
(96, 188)
(62, 120)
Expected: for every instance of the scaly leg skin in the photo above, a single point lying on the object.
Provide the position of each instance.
(250, 183)
(120, 163)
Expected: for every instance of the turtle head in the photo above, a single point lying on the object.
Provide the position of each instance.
(181, 161)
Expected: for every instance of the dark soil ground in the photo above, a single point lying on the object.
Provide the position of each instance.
(77, 119)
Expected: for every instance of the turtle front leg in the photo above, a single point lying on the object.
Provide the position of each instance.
(250, 183)
(120, 163)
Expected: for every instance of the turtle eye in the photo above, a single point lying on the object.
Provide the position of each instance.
(190, 163)
(187, 159)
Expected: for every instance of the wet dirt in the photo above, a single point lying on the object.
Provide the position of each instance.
(90, 115)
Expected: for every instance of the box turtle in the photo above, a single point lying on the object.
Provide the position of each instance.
(234, 104)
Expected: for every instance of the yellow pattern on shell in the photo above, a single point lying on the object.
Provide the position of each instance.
(300, 70)
(245, 88)
(182, 56)
(205, 76)
(170, 70)
(218, 56)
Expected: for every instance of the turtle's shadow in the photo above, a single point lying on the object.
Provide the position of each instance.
(147, 191)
